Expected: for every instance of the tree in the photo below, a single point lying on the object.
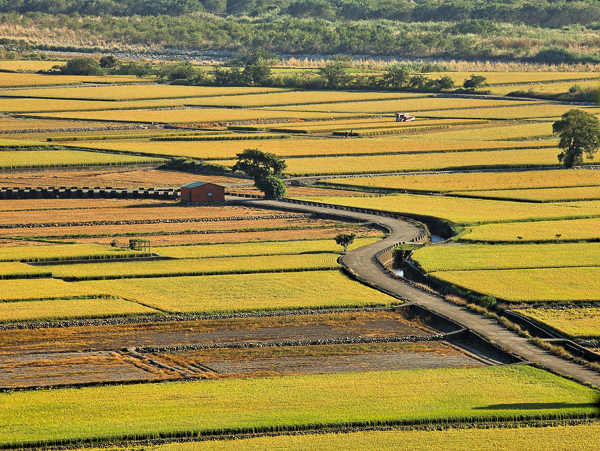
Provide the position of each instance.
(82, 66)
(108, 62)
(265, 168)
(474, 82)
(256, 75)
(579, 133)
(345, 239)
(396, 77)
(334, 75)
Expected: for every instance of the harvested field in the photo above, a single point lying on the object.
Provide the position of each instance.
(15, 205)
(192, 115)
(530, 285)
(76, 368)
(544, 231)
(244, 292)
(305, 147)
(266, 403)
(116, 179)
(582, 437)
(469, 211)
(162, 228)
(296, 191)
(278, 328)
(65, 309)
(236, 236)
(39, 107)
(54, 158)
(577, 323)
(21, 123)
(157, 211)
(325, 359)
(357, 124)
(477, 181)
(479, 256)
(540, 195)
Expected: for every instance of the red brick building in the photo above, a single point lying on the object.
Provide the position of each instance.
(202, 192)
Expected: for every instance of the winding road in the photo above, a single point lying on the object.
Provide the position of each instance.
(362, 262)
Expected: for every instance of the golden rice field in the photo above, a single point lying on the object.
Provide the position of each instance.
(256, 249)
(543, 231)
(44, 107)
(63, 252)
(68, 204)
(315, 146)
(545, 88)
(477, 181)
(298, 98)
(494, 131)
(540, 195)
(63, 309)
(516, 77)
(413, 105)
(582, 437)
(477, 257)
(530, 285)
(243, 292)
(328, 126)
(54, 158)
(414, 162)
(335, 400)
(8, 80)
(139, 92)
(190, 115)
(576, 323)
(26, 65)
(17, 270)
(530, 111)
(39, 289)
(189, 267)
(468, 211)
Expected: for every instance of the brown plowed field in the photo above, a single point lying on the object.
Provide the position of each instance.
(151, 178)
(66, 204)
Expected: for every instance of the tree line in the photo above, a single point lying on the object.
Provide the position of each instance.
(546, 13)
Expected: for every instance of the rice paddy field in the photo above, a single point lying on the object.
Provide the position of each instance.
(96, 413)
(260, 290)
(576, 323)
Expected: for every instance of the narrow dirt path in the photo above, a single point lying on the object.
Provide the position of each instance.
(362, 262)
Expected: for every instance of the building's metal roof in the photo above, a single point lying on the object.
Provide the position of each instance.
(196, 184)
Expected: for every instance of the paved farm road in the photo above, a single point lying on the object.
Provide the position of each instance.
(361, 261)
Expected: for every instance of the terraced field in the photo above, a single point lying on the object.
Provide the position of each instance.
(244, 312)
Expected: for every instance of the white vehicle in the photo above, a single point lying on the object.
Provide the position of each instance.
(404, 117)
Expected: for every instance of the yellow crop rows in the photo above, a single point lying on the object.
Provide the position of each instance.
(53, 158)
(530, 285)
(147, 91)
(546, 88)
(578, 323)
(516, 77)
(541, 195)
(411, 105)
(478, 256)
(36, 289)
(545, 231)
(465, 210)
(15, 80)
(185, 116)
(337, 147)
(62, 252)
(416, 162)
(189, 267)
(477, 181)
(70, 309)
(243, 292)
(532, 111)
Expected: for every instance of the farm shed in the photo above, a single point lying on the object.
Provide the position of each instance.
(202, 192)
